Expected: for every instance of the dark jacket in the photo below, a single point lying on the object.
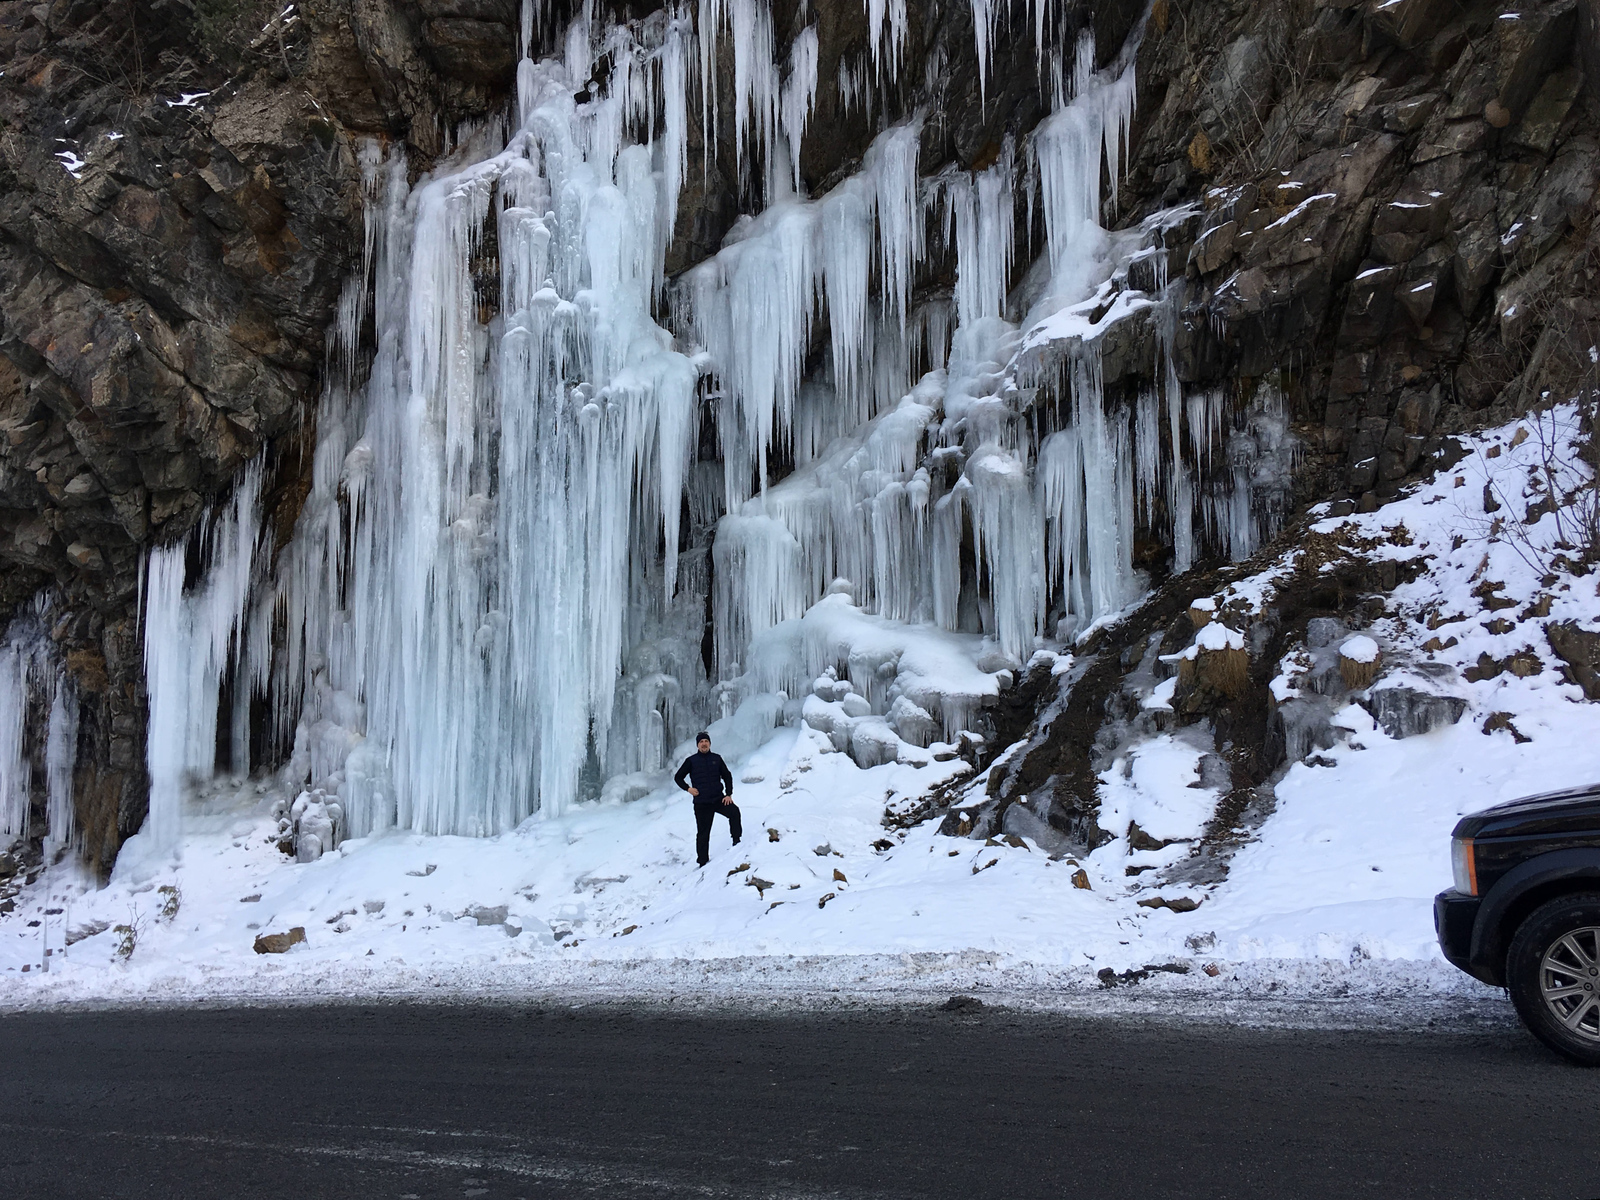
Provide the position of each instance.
(707, 774)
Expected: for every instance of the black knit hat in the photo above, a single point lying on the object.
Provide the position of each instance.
(702, 736)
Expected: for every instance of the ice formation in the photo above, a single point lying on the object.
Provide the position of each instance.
(498, 591)
(38, 734)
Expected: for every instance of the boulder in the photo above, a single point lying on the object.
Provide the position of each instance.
(1405, 712)
(1579, 649)
(279, 943)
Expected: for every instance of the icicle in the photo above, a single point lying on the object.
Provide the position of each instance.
(1005, 541)
(799, 95)
(845, 244)
(855, 89)
(886, 34)
(980, 209)
(1060, 483)
(1147, 447)
(674, 120)
(191, 640)
(61, 757)
(1180, 483)
(753, 304)
(891, 162)
(755, 79)
(16, 773)
(1108, 523)
(983, 21)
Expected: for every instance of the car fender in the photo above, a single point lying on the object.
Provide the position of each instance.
(1490, 937)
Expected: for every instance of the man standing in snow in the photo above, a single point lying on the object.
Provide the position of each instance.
(707, 778)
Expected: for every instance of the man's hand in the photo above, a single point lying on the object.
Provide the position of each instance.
(694, 791)
(728, 799)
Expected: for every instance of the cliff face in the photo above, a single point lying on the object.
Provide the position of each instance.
(178, 214)
(1391, 227)
(1397, 211)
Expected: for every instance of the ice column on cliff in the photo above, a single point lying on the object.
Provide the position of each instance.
(193, 637)
(16, 772)
(38, 708)
(492, 605)
(495, 516)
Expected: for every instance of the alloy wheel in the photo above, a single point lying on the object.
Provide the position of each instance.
(1569, 981)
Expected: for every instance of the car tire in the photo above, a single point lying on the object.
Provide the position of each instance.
(1553, 975)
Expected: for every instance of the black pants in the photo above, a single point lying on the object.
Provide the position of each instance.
(704, 814)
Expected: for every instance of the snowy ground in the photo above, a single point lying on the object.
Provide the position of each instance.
(820, 903)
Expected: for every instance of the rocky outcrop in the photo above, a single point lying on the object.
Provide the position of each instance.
(1579, 649)
(1393, 220)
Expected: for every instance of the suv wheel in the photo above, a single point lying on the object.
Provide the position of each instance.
(1553, 974)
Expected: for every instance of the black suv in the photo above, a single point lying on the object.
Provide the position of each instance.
(1525, 912)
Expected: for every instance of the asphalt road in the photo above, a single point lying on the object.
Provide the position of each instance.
(541, 1103)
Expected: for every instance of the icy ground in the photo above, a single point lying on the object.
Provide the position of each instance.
(821, 902)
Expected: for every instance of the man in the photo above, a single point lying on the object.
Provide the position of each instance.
(708, 778)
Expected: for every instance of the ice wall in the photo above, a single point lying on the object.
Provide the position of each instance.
(497, 594)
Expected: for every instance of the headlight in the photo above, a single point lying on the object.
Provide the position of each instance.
(1464, 865)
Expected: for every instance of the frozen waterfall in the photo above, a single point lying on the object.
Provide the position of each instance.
(565, 510)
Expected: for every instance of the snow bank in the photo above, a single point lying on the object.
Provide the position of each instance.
(1333, 892)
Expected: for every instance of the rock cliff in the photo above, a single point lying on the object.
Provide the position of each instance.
(1390, 226)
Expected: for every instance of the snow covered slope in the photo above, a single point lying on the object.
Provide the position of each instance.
(1329, 879)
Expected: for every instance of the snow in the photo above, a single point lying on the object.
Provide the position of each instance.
(1300, 209)
(1359, 649)
(1217, 636)
(1333, 889)
(1156, 786)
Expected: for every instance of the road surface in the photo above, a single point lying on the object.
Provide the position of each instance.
(625, 1103)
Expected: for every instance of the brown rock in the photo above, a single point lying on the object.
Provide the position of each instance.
(279, 943)
(1182, 904)
(1502, 720)
(1080, 880)
(1138, 839)
(1523, 664)
(1579, 649)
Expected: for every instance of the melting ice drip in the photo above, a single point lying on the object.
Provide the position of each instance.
(492, 602)
(37, 698)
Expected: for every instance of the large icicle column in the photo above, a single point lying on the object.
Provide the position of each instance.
(551, 461)
(38, 734)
